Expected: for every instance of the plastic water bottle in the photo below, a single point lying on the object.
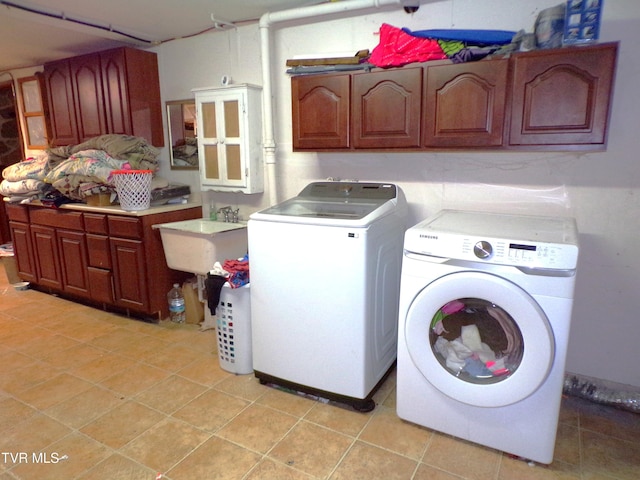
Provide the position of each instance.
(176, 304)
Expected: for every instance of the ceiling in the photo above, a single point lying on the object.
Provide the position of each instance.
(60, 30)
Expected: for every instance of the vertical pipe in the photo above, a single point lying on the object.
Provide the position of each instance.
(266, 21)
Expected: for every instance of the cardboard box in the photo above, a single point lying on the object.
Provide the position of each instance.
(11, 269)
(99, 200)
(194, 308)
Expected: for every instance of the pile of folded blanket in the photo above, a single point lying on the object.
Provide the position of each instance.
(77, 171)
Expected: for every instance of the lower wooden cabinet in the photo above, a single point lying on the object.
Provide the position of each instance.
(72, 249)
(109, 260)
(46, 256)
(129, 273)
(101, 285)
(23, 249)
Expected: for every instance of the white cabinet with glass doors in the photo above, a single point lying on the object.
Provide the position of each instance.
(229, 131)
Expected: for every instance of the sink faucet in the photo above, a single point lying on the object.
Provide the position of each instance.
(230, 215)
(226, 211)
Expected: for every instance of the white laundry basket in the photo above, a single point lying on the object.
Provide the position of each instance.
(134, 188)
(233, 328)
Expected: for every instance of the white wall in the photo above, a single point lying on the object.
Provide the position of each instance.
(602, 190)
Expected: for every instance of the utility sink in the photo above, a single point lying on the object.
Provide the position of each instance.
(195, 245)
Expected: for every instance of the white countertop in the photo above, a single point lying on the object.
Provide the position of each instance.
(117, 210)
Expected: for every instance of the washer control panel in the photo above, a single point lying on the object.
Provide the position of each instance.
(529, 246)
(505, 252)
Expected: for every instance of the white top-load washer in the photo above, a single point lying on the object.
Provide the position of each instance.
(325, 274)
(485, 313)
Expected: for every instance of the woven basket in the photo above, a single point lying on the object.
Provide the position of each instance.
(134, 188)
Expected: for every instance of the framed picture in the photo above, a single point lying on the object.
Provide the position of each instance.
(33, 112)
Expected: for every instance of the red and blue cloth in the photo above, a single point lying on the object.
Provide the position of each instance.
(238, 271)
(399, 47)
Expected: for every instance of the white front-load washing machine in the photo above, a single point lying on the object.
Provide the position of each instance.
(485, 312)
(325, 283)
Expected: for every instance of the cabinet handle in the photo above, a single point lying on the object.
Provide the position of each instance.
(222, 142)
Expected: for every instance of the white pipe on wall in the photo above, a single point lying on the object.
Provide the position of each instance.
(266, 21)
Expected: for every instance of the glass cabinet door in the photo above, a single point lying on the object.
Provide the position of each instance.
(210, 140)
(229, 139)
(232, 145)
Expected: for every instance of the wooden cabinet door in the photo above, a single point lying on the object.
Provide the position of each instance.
(100, 285)
(386, 109)
(116, 94)
(61, 104)
(89, 102)
(73, 262)
(562, 97)
(129, 273)
(47, 259)
(23, 250)
(465, 104)
(320, 112)
(131, 88)
(229, 129)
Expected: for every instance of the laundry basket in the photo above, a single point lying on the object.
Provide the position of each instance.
(234, 329)
(134, 188)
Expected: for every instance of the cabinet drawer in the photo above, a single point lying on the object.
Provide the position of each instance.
(17, 212)
(99, 253)
(96, 223)
(127, 227)
(57, 218)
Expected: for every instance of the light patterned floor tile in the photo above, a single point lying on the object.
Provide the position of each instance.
(126, 399)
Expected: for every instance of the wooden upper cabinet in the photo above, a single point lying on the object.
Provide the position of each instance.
(61, 104)
(229, 138)
(131, 86)
(465, 103)
(116, 96)
(320, 111)
(114, 91)
(562, 96)
(386, 108)
(86, 80)
(554, 99)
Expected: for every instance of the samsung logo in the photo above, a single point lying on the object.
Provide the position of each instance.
(429, 237)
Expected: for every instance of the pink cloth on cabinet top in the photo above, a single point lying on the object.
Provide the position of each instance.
(397, 48)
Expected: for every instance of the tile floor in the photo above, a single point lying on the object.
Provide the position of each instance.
(90, 395)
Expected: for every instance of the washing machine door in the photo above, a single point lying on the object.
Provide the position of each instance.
(479, 338)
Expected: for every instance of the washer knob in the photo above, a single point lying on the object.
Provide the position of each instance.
(483, 249)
